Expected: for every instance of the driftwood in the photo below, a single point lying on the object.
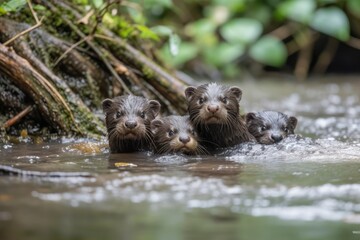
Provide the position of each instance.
(64, 80)
(7, 170)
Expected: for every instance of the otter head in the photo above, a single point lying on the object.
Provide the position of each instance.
(128, 117)
(270, 127)
(213, 103)
(175, 134)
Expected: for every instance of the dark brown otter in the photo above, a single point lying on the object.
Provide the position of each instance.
(214, 111)
(270, 127)
(174, 134)
(128, 122)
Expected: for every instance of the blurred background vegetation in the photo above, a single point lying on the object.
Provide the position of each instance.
(232, 38)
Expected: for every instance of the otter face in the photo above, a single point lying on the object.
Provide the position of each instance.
(270, 127)
(175, 134)
(213, 103)
(128, 117)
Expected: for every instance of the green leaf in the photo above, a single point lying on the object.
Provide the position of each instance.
(269, 50)
(146, 33)
(332, 21)
(97, 3)
(162, 30)
(200, 27)
(187, 51)
(2, 11)
(242, 30)
(174, 44)
(39, 7)
(13, 5)
(224, 53)
(298, 10)
(354, 7)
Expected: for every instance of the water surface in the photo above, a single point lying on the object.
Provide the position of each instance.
(306, 187)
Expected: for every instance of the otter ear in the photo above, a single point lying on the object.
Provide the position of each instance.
(155, 107)
(189, 92)
(292, 122)
(106, 104)
(250, 116)
(237, 92)
(155, 125)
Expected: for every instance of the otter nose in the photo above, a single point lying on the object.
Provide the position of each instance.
(184, 139)
(213, 108)
(276, 137)
(130, 124)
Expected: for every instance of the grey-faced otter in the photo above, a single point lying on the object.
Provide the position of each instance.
(214, 111)
(174, 134)
(128, 122)
(270, 127)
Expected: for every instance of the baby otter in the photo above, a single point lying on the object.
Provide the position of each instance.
(270, 127)
(128, 120)
(214, 111)
(174, 134)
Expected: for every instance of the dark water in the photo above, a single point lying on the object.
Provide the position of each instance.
(302, 188)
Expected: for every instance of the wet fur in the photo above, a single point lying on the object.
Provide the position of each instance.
(269, 127)
(168, 132)
(226, 128)
(136, 110)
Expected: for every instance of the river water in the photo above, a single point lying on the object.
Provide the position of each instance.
(306, 187)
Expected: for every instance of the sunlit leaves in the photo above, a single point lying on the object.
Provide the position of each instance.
(186, 52)
(298, 10)
(270, 51)
(97, 3)
(243, 30)
(11, 6)
(224, 53)
(332, 21)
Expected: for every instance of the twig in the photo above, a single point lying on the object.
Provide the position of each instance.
(354, 42)
(303, 62)
(326, 56)
(32, 11)
(92, 46)
(23, 32)
(69, 50)
(282, 32)
(18, 117)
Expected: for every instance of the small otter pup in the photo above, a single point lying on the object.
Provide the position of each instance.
(214, 111)
(174, 134)
(128, 120)
(270, 127)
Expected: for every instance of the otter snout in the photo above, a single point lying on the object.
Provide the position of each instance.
(276, 137)
(213, 108)
(131, 124)
(184, 139)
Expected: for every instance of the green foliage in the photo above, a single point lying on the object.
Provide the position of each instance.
(228, 30)
(241, 30)
(297, 10)
(269, 50)
(11, 6)
(332, 21)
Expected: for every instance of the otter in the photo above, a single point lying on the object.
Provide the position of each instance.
(175, 134)
(128, 121)
(214, 111)
(270, 127)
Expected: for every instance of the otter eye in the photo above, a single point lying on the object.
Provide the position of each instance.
(224, 100)
(118, 114)
(142, 114)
